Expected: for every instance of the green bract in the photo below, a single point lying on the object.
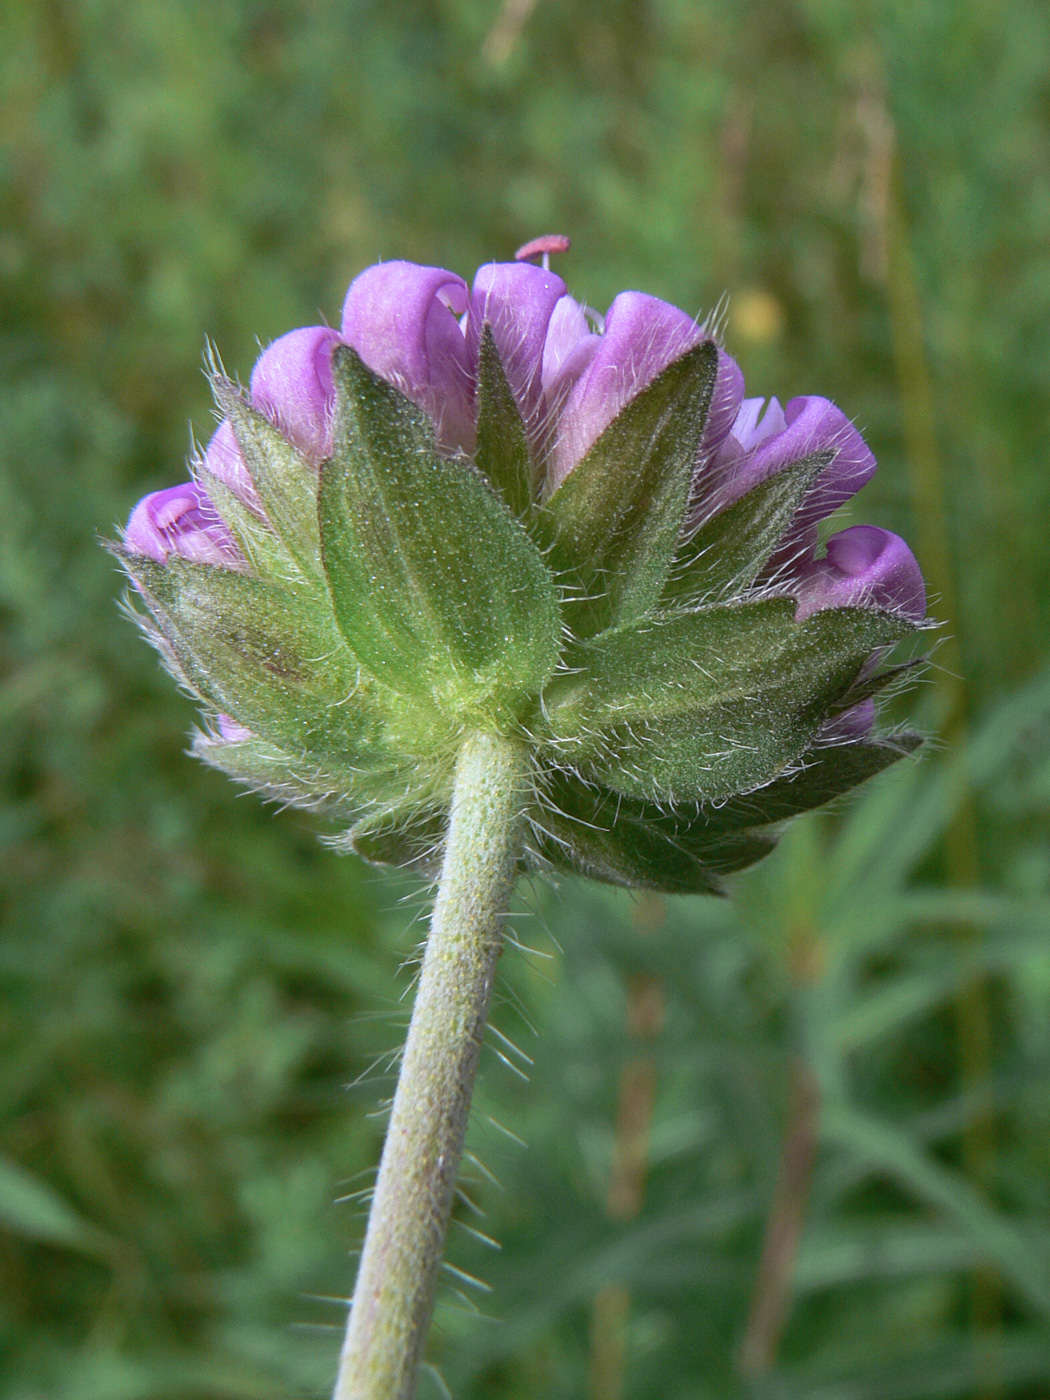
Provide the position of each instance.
(379, 611)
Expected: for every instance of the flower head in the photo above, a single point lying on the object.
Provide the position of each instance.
(487, 506)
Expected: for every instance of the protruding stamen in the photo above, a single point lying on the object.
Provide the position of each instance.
(543, 246)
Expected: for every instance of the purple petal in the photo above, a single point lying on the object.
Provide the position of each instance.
(570, 345)
(223, 459)
(402, 320)
(753, 426)
(755, 450)
(864, 567)
(643, 335)
(518, 301)
(725, 405)
(852, 726)
(292, 385)
(232, 731)
(181, 521)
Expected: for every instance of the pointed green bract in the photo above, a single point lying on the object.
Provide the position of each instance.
(503, 449)
(437, 588)
(267, 554)
(285, 481)
(868, 686)
(615, 521)
(719, 750)
(263, 655)
(821, 776)
(341, 786)
(729, 551)
(409, 837)
(593, 831)
(586, 828)
(712, 754)
(666, 665)
(688, 662)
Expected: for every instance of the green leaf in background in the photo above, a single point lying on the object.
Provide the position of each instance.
(436, 586)
(615, 520)
(1024, 1258)
(32, 1208)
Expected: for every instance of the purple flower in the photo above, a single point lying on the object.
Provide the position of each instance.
(403, 320)
(571, 374)
(543, 336)
(761, 444)
(224, 460)
(852, 726)
(863, 567)
(181, 521)
(418, 328)
(642, 337)
(292, 385)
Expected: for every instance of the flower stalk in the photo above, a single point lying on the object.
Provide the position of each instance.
(396, 1281)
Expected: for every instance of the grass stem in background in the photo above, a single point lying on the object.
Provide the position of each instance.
(630, 1162)
(961, 840)
(769, 1303)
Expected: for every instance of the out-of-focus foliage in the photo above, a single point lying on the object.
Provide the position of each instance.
(190, 982)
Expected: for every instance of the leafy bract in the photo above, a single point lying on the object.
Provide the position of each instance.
(437, 588)
(822, 775)
(503, 449)
(409, 837)
(263, 654)
(729, 551)
(266, 553)
(285, 481)
(670, 664)
(740, 737)
(587, 829)
(615, 521)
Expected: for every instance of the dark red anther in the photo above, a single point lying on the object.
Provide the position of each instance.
(547, 243)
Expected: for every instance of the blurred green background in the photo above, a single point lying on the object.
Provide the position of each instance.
(795, 1146)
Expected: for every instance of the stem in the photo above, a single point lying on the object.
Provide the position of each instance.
(397, 1277)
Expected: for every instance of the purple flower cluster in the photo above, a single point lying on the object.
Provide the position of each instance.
(571, 373)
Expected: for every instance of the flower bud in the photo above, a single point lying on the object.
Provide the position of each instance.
(181, 521)
(403, 322)
(292, 385)
(863, 567)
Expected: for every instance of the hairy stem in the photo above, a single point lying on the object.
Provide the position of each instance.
(397, 1278)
